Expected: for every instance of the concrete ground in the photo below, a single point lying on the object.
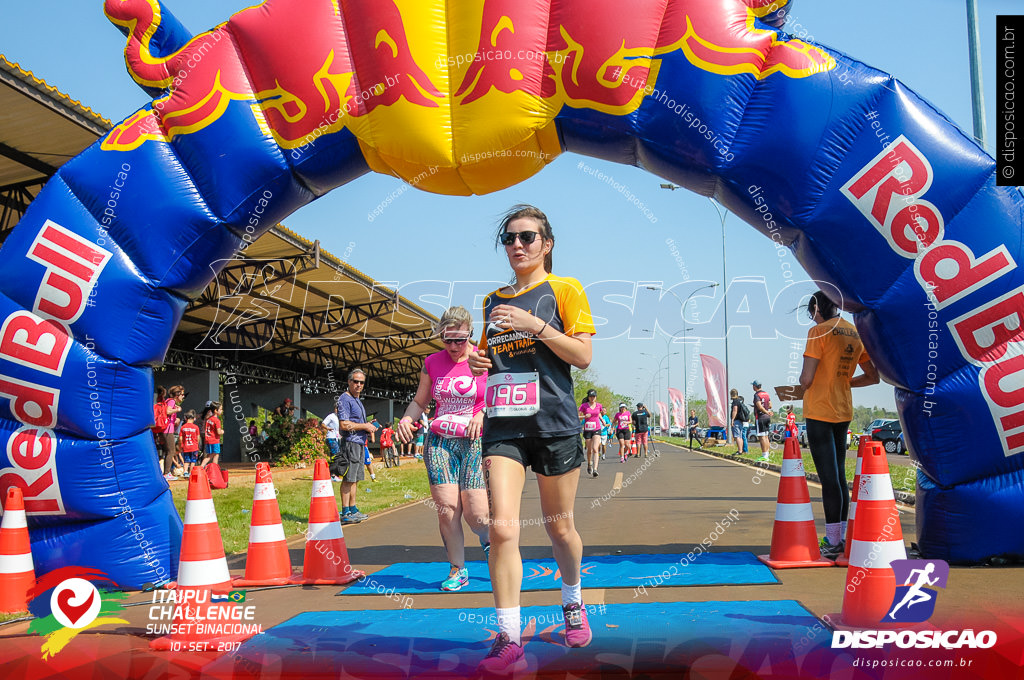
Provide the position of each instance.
(669, 507)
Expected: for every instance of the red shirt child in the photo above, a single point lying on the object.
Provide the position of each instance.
(189, 439)
(212, 429)
(791, 424)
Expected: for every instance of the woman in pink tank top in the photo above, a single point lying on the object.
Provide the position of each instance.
(452, 448)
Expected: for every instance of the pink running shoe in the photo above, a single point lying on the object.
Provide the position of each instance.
(577, 630)
(505, 657)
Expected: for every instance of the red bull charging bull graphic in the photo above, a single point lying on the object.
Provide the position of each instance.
(289, 99)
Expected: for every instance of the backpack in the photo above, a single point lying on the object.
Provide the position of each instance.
(160, 417)
(742, 412)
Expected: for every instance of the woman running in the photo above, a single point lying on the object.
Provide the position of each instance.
(834, 350)
(620, 423)
(590, 416)
(453, 444)
(538, 328)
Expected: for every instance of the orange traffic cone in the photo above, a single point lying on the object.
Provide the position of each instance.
(326, 558)
(17, 574)
(202, 562)
(794, 538)
(632, 446)
(844, 559)
(877, 541)
(267, 562)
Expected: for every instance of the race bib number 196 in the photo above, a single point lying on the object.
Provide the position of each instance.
(513, 394)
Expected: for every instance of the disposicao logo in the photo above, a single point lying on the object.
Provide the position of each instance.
(914, 602)
(66, 602)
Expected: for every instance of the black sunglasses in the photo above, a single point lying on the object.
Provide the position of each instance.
(455, 341)
(525, 237)
(358, 382)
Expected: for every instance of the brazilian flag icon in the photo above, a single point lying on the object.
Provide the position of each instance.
(233, 596)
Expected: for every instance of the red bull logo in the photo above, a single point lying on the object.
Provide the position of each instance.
(711, 42)
(296, 86)
(307, 68)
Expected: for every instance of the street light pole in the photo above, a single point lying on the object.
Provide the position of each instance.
(683, 304)
(722, 214)
(657, 371)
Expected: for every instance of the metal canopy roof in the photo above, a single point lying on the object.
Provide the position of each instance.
(283, 310)
(290, 305)
(41, 128)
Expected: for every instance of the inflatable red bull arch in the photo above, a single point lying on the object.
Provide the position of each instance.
(292, 98)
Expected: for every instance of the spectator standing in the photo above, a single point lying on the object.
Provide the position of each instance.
(172, 405)
(834, 350)
(387, 443)
(740, 414)
(791, 430)
(213, 431)
(691, 425)
(352, 418)
(189, 437)
(333, 427)
(762, 417)
(641, 426)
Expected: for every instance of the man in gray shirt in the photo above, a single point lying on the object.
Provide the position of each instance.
(349, 465)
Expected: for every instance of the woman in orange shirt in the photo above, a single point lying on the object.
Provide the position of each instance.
(834, 350)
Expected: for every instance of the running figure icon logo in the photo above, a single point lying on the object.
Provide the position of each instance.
(914, 601)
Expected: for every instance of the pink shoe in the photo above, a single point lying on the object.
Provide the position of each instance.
(577, 630)
(505, 657)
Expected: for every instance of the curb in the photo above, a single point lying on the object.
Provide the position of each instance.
(902, 497)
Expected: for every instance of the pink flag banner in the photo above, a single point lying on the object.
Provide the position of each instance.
(663, 414)
(676, 397)
(714, 385)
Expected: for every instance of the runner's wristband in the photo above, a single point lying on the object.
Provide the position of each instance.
(537, 334)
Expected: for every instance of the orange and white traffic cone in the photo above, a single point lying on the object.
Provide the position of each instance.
(632, 446)
(844, 559)
(267, 562)
(202, 562)
(877, 541)
(794, 538)
(326, 558)
(17, 573)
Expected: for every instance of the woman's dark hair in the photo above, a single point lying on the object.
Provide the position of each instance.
(161, 393)
(523, 210)
(819, 301)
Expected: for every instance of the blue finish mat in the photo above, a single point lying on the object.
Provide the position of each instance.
(606, 571)
(628, 638)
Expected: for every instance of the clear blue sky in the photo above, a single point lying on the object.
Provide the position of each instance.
(70, 44)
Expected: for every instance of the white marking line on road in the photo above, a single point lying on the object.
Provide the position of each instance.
(810, 482)
(617, 484)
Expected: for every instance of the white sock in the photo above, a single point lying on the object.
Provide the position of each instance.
(509, 623)
(832, 533)
(571, 594)
(843, 530)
